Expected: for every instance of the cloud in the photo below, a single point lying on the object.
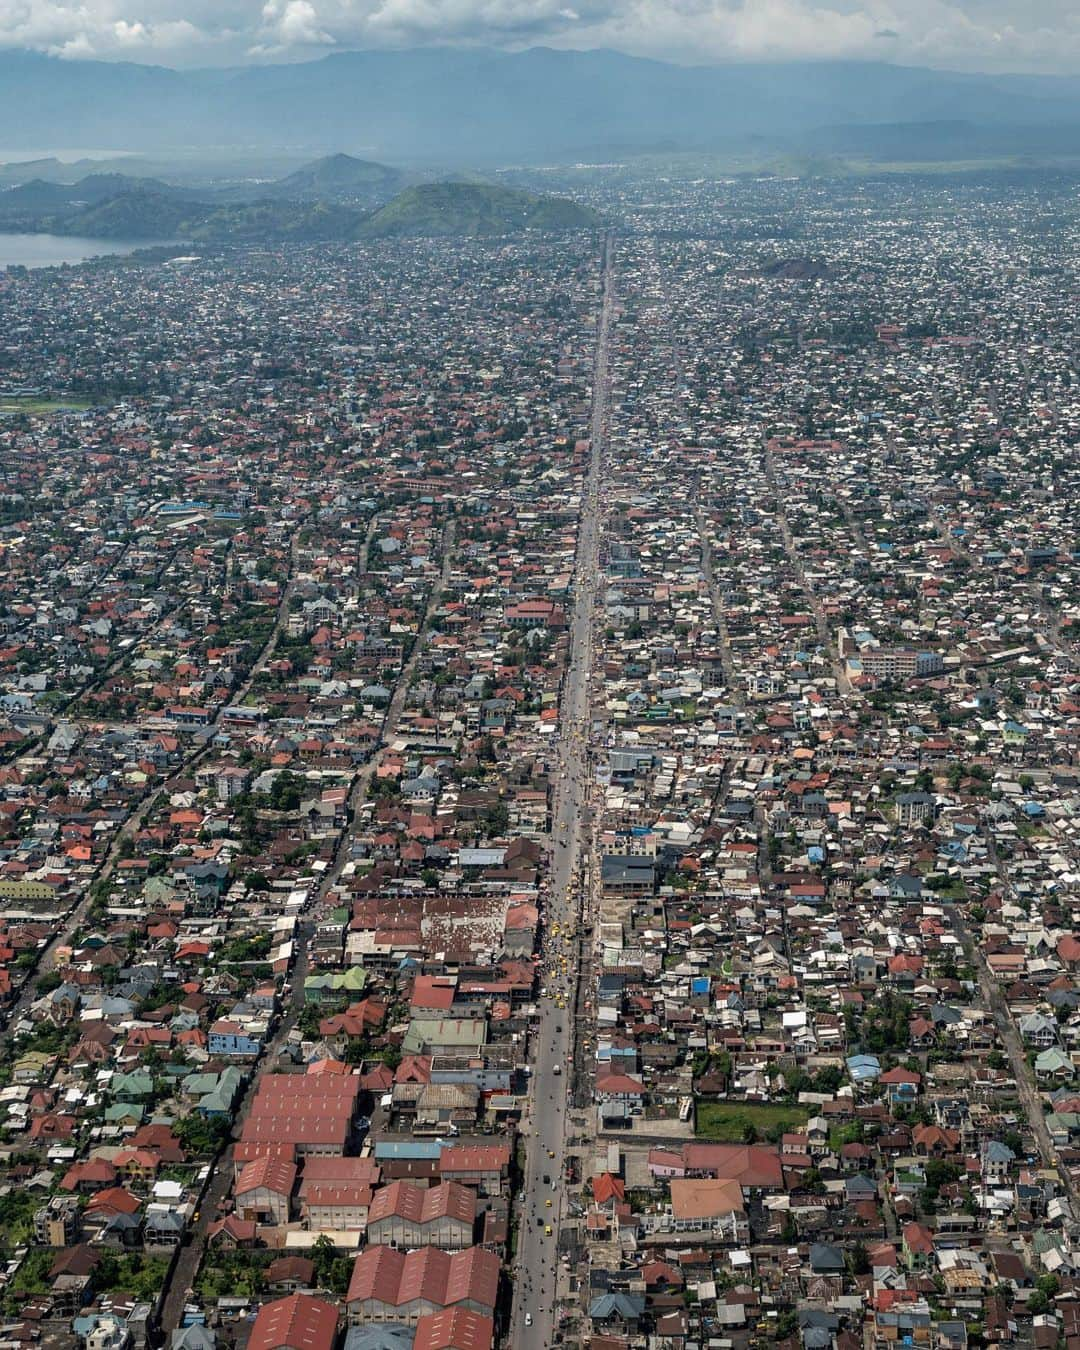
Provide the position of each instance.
(962, 34)
(292, 23)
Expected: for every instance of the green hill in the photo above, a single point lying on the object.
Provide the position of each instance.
(128, 215)
(438, 210)
(152, 215)
(472, 209)
(258, 222)
(341, 178)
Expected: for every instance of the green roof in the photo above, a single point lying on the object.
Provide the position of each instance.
(1051, 1060)
(133, 1084)
(124, 1111)
(351, 981)
(461, 1032)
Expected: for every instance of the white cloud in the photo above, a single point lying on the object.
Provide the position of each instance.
(292, 23)
(1035, 35)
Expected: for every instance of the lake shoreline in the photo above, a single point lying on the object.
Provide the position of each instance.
(35, 250)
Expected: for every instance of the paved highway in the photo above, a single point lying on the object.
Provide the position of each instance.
(542, 1202)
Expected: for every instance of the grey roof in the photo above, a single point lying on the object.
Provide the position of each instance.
(194, 1338)
(627, 1306)
(392, 1336)
(617, 868)
(824, 1256)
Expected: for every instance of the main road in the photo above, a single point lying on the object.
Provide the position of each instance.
(535, 1300)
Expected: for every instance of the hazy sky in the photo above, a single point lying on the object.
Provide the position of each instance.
(1032, 35)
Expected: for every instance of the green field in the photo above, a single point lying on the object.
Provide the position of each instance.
(43, 405)
(726, 1121)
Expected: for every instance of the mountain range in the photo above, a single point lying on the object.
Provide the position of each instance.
(485, 106)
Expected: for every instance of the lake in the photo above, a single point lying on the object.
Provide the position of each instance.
(50, 250)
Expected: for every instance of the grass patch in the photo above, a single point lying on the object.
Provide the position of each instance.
(44, 405)
(726, 1121)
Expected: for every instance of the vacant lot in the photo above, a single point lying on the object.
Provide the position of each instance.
(727, 1121)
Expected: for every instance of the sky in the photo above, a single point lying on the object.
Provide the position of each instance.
(1039, 36)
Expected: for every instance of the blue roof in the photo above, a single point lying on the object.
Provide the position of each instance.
(420, 1149)
(863, 1067)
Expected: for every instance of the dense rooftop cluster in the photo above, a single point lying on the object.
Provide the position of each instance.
(296, 546)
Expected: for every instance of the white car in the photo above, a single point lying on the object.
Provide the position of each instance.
(528, 1319)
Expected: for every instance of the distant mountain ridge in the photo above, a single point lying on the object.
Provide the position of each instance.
(477, 105)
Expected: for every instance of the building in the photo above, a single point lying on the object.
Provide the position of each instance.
(454, 1329)
(409, 1214)
(388, 1285)
(313, 1113)
(899, 663)
(57, 1223)
(263, 1189)
(297, 1322)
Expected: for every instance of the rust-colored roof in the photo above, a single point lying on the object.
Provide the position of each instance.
(298, 1322)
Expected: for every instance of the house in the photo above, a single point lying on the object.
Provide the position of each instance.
(708, 1205)
(228, 1037)
(484, 1167)
(1037, 1030)
(826, 1259)
(617, 1310)
(914, 808)
(288, 1274)
(1055, 1065)
(997, 1160)
(901, 1085)
(917, 1245)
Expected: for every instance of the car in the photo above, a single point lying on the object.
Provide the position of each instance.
(528, 1319)
(548, 1202)
(551, 1153)
(547, 1229)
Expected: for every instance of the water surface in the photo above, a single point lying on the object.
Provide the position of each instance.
(50, 250)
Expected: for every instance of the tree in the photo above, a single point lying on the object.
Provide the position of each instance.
(940, 1173)
(813, 1182)
(859, 1258)
(323, 1254)
(201, 1136)
(786, 1325)
(496, 819)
